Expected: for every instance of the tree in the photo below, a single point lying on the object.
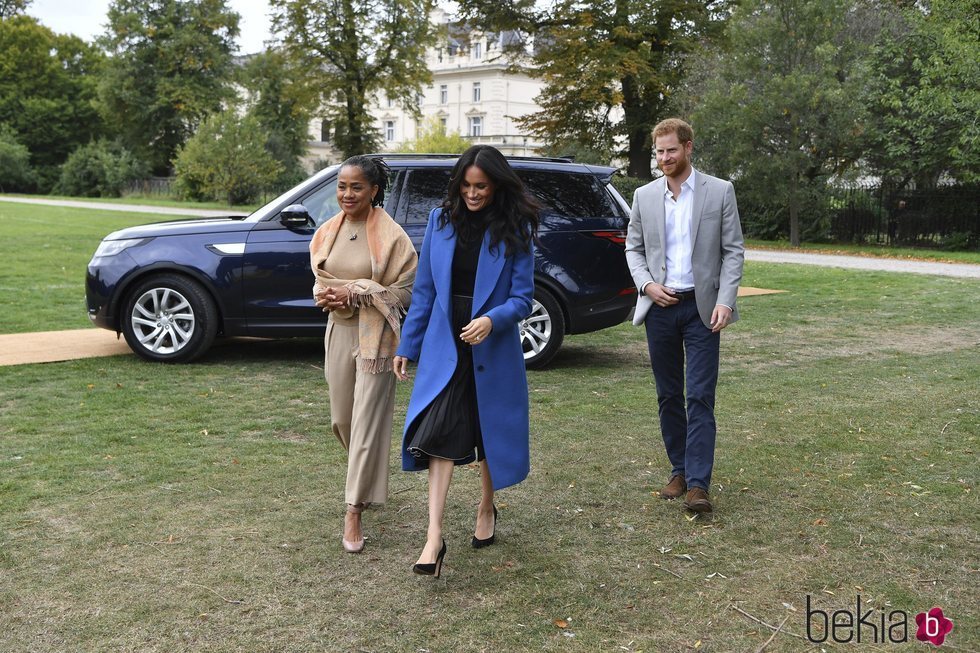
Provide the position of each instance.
(226, 160)
(47, 85)
(10, 8)
(170, 67)
(357, 49)
(923, 95)
(281, 97)
(610, 67)
(433, 139)
(15, 162)
(779, 110)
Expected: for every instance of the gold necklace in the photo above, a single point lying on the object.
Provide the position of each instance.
(353, 227)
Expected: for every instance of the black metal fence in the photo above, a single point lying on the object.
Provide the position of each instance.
(152, 186)
(947, 217)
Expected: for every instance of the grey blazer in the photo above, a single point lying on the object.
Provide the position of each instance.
(718, 249)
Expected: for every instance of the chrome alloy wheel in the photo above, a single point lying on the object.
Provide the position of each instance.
(535, 330)
(163, 320)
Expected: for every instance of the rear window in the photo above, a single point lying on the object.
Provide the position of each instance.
(571, 195)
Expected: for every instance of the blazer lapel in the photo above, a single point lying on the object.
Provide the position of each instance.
(443, 249)
(488, 270)
(698, 208)
(659, 215)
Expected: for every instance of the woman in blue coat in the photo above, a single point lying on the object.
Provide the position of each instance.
(474, 285)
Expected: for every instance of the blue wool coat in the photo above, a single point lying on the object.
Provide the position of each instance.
(503, 291)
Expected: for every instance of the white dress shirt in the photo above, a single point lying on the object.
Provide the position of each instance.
(678, 249)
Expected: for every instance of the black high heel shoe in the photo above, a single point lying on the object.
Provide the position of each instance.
(431, 568)
(478, 543)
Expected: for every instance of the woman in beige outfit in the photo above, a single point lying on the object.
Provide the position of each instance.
(364, 264)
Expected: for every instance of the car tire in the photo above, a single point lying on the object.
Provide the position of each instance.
(542, 331)
(169, 318)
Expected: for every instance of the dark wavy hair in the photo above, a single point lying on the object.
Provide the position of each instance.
(376, 171)
(512, 214)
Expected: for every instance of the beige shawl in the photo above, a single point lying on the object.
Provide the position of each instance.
(384, 298)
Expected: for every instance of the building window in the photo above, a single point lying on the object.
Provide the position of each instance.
(476, 91)
(389, 130)
(439, 55)
(443, 94)
(476, 126)
(478, 50)
(443, 122)
(324, 130)
(391, 103)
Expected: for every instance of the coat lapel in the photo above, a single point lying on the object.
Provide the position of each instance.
(488, 270)
(444, 246)
(659, 216)
(698, 207)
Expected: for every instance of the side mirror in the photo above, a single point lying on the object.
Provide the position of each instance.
(295, 216)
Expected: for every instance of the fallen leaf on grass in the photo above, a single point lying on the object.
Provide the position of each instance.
(684, 555)
(820, 522)
(561, 623)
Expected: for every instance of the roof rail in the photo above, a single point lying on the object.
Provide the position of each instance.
(407, 155)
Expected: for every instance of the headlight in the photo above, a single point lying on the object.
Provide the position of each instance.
(113, 247)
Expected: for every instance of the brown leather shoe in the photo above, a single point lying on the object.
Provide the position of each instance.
(675, 488)
(697, 500)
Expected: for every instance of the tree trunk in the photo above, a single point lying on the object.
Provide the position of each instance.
(640, 154)
(794, 210)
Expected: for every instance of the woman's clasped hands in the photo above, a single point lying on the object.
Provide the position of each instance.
(332, 299)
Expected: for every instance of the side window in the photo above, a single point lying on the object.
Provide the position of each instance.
(569, 195)
(322, 203)
(423, 191)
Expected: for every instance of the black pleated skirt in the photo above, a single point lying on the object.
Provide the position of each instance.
(449, 427)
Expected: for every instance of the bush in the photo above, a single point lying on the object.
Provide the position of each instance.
(100, 169)
(628, 185)
(16, 173)
(226, 160)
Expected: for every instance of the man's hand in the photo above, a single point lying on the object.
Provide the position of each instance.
(720, 317)
(661, 295)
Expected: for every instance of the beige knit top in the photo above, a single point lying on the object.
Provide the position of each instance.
(349, 259)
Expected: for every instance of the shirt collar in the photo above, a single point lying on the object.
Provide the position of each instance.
(688, 183)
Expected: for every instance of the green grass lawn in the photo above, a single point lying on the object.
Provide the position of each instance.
(146, 507)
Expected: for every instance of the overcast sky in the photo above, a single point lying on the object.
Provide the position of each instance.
(86, 18)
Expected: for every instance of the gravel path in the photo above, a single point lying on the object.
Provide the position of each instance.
(936, 268)
(130, 208)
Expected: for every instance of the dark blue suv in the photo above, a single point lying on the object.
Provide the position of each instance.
(171, 287)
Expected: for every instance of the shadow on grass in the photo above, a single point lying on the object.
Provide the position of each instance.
(583, 357)
(226, 351)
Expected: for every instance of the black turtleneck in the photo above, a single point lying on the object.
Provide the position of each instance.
(469, 238)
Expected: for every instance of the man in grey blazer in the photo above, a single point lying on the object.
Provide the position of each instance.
(684, 249)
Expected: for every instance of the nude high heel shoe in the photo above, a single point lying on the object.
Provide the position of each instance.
(357, 545)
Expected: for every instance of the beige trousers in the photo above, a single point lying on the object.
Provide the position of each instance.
(361, 408)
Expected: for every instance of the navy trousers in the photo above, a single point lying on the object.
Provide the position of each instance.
(688, 428)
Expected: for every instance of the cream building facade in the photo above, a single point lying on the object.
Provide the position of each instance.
(472, 93)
